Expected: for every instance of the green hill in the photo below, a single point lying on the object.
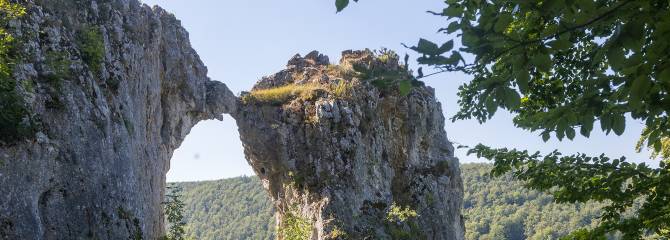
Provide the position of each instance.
(236, 208)
(500, 208)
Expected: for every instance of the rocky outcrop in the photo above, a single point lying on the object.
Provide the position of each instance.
(111, 88)
(106, 90)
(349, 151)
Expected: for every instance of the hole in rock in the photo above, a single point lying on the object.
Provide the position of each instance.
(211, 151)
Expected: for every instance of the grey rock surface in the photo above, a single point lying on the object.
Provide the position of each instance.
(348, 160)
(95, 167)
(341, 159)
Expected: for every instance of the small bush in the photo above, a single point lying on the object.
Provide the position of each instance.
(295, 227)
(92, 48)
(399, 214)
(401, 224)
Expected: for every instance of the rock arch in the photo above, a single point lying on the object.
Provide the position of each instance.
(95, 166)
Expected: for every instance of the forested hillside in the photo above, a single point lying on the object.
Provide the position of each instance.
(494, 209)
(236, 208)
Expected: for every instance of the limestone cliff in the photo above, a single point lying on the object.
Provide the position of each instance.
(346, 153)
(104, 91)
(111, 88)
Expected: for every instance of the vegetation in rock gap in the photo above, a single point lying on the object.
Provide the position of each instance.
(400, 223)
(295, 227)
(495, 208)
(174, 214)
(560, 66)
(92, 48)
(398, 214)
(13, 113)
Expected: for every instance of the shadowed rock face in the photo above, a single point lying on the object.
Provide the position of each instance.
(348, 160)
(95, 167)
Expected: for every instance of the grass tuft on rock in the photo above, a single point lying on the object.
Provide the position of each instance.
(295, 227)
(282, 94)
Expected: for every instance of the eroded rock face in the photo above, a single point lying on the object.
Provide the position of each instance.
(348, 160)
(341, 158)
(95, 166)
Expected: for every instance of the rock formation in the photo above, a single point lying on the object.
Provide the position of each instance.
(104, 91)
(344, 155)
(103, 131)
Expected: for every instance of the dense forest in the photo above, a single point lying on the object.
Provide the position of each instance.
(236, 208)
(495, 208)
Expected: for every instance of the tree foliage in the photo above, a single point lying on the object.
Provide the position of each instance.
(496, 208)
(12, 109)
(237, 208)
(560, 66)
(174, 213)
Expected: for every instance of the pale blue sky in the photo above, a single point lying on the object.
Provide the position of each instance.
(241, 41)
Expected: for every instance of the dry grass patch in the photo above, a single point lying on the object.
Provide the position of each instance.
(342, 89)
(283, 93)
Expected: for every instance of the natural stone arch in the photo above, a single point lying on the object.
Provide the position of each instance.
(96, 165)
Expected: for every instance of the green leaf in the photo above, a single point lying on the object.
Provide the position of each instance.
(616, 57)
(341, 4)
(632, 36)
(522, 79)
(453, 11)
(606, 123)
(619, 124)
(545, 136)
(447, 46)
(469, 39)
(638, 90)
(426, 47)
(502, 22)
(664, 76)
(570, 132)
(587, 125)
(491, 106)
(561, 128)
(560, 44)
(453, 27)
(512, 99)
(560, 133)
(405, 87)
(542, 62)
